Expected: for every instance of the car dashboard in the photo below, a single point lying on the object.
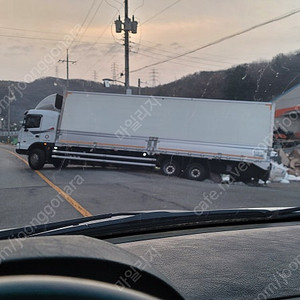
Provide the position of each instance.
(254, 261)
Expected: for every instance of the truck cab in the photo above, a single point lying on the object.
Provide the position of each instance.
(39, 126)
(39, 131)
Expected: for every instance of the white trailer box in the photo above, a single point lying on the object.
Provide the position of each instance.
(157, 129)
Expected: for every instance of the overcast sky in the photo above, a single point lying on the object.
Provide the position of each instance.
(30, 31)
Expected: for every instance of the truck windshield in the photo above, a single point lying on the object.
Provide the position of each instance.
(32, 121)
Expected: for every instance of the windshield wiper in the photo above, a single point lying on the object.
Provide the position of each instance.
(118, 224)
(35, 229)
(285, 211)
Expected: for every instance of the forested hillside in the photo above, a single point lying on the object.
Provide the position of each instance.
(259, 81)
(35, 91)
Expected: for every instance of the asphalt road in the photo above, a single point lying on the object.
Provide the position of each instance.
(28, 197)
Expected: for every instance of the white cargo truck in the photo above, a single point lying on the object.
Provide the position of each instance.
(194, 137)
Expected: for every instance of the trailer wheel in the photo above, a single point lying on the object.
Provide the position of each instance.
(60, 163)
(36, 159)
(170, 167)
(196, 171)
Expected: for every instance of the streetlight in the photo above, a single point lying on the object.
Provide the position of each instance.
(106, 82)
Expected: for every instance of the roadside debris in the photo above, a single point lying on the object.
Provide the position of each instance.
(288, 166)
(278, 172)
(285, 164)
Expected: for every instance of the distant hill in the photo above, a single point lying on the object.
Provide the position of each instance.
(37, 90)
(259, 81)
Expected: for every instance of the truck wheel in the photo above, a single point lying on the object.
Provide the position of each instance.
(36, 159)
(170, 167)
(60, 163)
(196, 171)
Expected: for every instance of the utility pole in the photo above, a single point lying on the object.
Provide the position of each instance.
(56, 71)
(12, 96)
(127, 26)
(139, 86)
(67, 61)
(8, 122)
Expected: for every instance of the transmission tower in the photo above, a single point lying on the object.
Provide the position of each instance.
(154, 77)
(114, 71)
(95, 75)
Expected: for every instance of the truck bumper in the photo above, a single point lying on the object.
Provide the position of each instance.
(21, 151)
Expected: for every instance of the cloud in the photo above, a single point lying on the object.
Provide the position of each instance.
(92, 55)
(17, 50)
(176, 45)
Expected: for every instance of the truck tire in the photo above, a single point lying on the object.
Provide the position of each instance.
(36, 159)
(60, 163)
(196, 171)
(170, 167)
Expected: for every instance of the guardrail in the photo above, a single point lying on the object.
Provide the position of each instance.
(12, 133)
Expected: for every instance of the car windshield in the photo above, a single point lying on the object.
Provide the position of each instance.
(125, 106)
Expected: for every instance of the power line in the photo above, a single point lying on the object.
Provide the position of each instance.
(29, 30)
(157, 45)
(109, 51)
(40, 31)
(118, 2)
(45, 39)
(160, 12)
(221, 40)
(173, 62)
(192, 59)
(188, 63)
(94, 15)
(82, 24)
(100, 36)
(118, 10)
(154, 16)
(141, 5)
(92, 19)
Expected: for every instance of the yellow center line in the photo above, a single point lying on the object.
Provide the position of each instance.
(67, 197)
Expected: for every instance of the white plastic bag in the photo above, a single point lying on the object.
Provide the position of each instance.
(278, 172)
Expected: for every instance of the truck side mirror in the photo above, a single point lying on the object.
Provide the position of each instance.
(24, 122)
(58, 101)
(24, 125)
